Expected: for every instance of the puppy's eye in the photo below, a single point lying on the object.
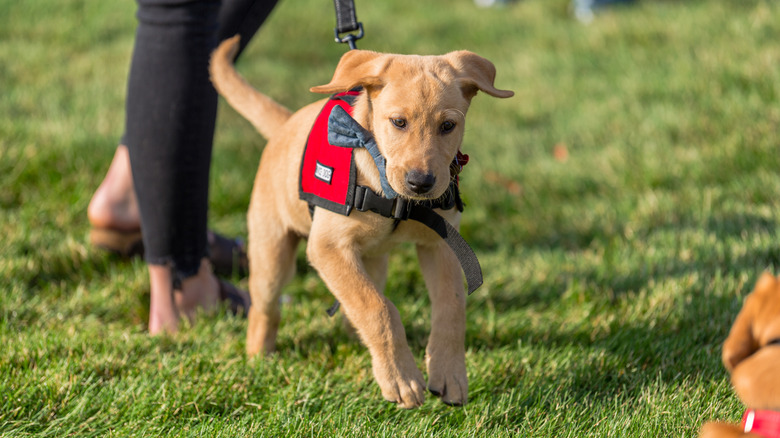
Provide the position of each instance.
(447, 127)
(399, 123)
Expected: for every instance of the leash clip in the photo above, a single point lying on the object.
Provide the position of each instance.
(349, 38)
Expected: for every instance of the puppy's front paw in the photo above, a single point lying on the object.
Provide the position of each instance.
(447, 379)
(402, 384)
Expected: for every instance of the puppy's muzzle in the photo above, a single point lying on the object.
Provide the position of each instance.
(420, 182)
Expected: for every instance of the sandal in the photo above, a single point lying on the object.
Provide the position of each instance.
(227, 256)
(238, 300)
(126, 244)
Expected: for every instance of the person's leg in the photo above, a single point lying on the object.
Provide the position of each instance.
(114, 205)
(171, 111)
(242, 17)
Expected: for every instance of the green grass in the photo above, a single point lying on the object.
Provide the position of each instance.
(611, 278)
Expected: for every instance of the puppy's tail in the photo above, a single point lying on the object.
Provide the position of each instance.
(263, 112)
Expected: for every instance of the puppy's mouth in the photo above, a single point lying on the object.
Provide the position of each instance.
(419, 195)
(414, 196)
(419, 185)
(417, 199)
(421, 198)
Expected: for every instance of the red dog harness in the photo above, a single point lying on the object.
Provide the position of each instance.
(329, 180)
(764, 423)
(328, 172)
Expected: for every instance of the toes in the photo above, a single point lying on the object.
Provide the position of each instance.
(407, 395)
(414, 395)
(452, 391)
(436, 384)
(456, 394)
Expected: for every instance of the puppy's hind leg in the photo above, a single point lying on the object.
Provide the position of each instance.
(445, 355)
(271, 266)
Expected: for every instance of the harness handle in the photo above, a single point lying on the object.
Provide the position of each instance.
(346, 22)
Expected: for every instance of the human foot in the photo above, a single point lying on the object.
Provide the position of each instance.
(201, 291)
(114, 205)
(169, 303)
(163, 313)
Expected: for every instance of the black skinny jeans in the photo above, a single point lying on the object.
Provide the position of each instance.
(170, 115)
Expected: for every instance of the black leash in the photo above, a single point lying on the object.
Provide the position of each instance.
(346, 22)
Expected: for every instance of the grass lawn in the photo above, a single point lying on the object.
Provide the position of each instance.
(622, 204)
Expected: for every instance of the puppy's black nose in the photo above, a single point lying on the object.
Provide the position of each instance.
(420, 182)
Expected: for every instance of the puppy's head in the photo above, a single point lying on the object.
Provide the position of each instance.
(416, 108)
(757, 323)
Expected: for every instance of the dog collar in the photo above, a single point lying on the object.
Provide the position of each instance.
(762, 422)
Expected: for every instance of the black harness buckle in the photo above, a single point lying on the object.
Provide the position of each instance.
(367, 200)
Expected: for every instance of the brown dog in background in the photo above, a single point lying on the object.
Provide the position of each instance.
(751, 353)
(415, 107)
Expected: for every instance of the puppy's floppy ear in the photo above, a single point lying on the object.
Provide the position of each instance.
(356, 68)
(743, 337)
(476, 74)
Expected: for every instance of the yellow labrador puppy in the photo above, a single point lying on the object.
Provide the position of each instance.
(412, 110)
(751, 353)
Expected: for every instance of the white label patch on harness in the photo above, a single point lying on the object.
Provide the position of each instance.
(323, 172)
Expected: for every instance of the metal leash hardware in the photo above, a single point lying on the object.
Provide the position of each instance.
(346, 22)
